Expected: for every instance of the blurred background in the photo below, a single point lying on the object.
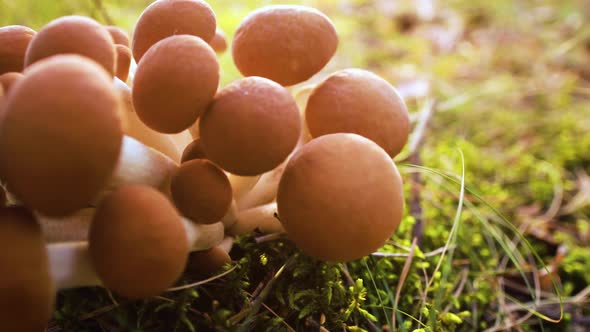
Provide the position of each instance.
(507, 83)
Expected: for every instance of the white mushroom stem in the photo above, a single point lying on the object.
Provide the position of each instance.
(231, 216)
(203, 236)
(265, 190)
(71, 266)
(226, 244)
(182, 139)
(241, 184)
(72, 228)
(261, 217)
(140, 164)
(75, 228)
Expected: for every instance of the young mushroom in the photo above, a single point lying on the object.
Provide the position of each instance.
(285, 43)
(174, 82)
(137, 242)
(219, 42)
(74, 35)
(123, 62)
(71, 265)
(251, 126)
(60, 135)
(120, 36)
(340, 197)
(202, 264)
(26, 287)
(358, 101)
(7, 80)
(14, 40)
(201, 191)
(165, 18)
(193, 151)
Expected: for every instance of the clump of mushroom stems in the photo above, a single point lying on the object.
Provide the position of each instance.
(71, 267)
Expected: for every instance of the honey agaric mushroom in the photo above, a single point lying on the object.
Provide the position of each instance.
(201, 191)
(285, 43)
(74, 35)
(165, 18)
(137, 242)
(123, 62)
(26, 286)
(193, 151)
(337, 210)
(14, 40)
(7, 80)
(219, 42)
(135, 128)
(251, 126)
(358, 101)
(60, 135)
(120, 36)
(175, 81)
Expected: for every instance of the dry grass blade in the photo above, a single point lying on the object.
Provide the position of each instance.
(202, 282)
(402, 279)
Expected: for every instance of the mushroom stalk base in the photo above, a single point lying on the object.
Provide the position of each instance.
(71, 266)
(261, 217)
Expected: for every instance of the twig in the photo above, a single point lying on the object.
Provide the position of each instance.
(105, 15)
(257, 302)
(414, 158)
(270, 237)
(459, 289)
(402, 279)
(202, 282)
(433, 253)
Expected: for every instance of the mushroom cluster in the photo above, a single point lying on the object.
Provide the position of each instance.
(111, 170)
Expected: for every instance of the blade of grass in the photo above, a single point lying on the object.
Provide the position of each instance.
(509, 225)
(451, 241)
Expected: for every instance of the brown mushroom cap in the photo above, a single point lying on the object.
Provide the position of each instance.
(77, 35)
(201, 191)
(340, 197)
(219, 42)
(8, 79)
(165, 18)
(285, 43)
(193, 151)
(14, 40)
(202, 264)
(174, 83)
(123, 62)
(252, 125)
(26, 288)
(120, 36)
(137, 242)
(358, 101)
(60, 135)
